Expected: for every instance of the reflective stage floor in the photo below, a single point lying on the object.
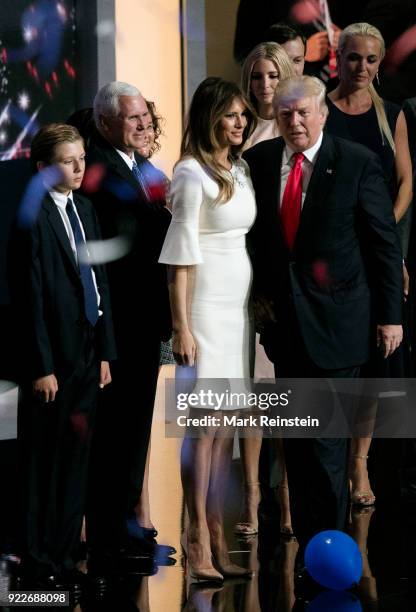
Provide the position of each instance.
(385, 534)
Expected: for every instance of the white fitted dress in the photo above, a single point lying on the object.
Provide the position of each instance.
(212, 238)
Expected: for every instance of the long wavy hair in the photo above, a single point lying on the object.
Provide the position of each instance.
(201, 140)
(366, 29)
(157, 122)
(269, 51)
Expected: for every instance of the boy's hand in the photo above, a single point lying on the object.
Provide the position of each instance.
(46, 387)
(105, 374)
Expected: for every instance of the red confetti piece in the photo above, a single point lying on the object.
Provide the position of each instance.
(48, 89)
(305, 11)
(401, 49)
(93, 177)
(80, 425)
(320, 274)
(157, 191)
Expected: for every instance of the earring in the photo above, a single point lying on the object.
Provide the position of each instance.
(377, 78)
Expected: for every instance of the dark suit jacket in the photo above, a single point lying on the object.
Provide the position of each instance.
(345, 245)
(47, 296)
(138, 283)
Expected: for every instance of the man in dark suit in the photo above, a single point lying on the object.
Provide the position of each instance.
(324, 232)
(130, 204)
(64, 341)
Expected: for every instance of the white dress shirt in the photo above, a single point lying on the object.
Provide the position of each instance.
(308, 163)
(126, 158)
(60, 200)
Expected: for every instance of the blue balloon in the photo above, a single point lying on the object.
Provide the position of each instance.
(335, 601)
(334, 560)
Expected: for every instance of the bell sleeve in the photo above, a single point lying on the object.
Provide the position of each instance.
(181, 246)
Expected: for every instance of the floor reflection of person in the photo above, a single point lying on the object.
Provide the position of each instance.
(319, 324)
(358, 528)
(357, 112)
(213, 208)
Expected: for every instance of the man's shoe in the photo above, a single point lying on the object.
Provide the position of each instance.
(148, 548)
(73, 581)
(135, 530)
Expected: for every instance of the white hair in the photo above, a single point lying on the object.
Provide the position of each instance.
(106, 102)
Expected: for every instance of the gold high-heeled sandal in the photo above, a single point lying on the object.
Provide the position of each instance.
(198, 574)
(361, 498)
(245, 528)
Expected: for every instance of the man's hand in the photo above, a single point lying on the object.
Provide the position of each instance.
(105, 374)
(263, 310)
(184, 347)
(389, 338)
(46, 388)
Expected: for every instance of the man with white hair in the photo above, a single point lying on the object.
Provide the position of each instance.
(130, 203)
(324, 234)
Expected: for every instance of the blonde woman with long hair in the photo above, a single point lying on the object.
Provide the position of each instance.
(357, 112)
(266, 65)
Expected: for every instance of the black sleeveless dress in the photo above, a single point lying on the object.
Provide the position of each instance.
(364, 129)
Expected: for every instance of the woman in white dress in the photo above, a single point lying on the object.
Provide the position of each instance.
(213, 208)
(266, 65)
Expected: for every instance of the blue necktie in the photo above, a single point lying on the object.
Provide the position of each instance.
(138, 175)
(85, 271)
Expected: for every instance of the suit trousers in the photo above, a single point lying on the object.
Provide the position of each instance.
(317, 468)
(54, 443)
(120, 442)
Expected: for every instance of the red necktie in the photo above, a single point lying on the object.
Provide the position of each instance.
(292, 201)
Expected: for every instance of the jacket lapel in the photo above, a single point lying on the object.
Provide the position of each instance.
(119, 166)
(85, 217)
(57, 224)
(273, 163)
(320, 183)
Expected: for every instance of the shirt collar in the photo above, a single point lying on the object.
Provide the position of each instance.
(129, 160)
(310, 154)
(61, 199)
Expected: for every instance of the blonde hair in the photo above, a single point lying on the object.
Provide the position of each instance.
(48, 138)
(295, 88)
(211, 101)
(366, 29)
(270, 51)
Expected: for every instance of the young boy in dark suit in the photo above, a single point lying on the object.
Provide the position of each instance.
(65, 336)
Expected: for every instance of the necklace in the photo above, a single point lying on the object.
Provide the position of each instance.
(239, 175)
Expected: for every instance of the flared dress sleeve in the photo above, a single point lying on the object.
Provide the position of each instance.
(181, 246)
